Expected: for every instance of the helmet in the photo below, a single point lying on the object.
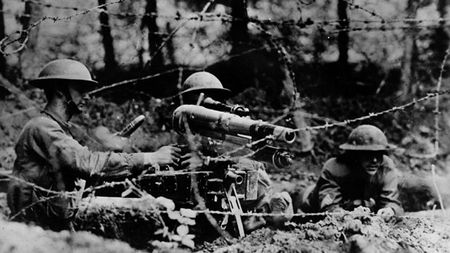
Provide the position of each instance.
(204, 82)
(63, 69)
(366, 138)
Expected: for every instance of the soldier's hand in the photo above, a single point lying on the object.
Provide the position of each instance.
(191, 161)
(167, 155)
(386, 213)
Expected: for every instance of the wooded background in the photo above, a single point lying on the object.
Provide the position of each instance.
(375, 46)
(333, 59)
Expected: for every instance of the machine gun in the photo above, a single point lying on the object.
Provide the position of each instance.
(217, 124)
(230, 127)
(232, 185)
(224, 186)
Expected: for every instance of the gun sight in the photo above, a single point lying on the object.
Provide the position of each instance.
(219, 106)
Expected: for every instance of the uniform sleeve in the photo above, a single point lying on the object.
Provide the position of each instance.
(62, 151)
(329, 195)
(389, 195)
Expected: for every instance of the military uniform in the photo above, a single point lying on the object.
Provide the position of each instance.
(341, 186)
(48, 156)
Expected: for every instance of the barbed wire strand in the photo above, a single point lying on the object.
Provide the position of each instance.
(3, 45)
(359, 7)
(23, 210)
(380, 18)
(437, 127)
(72, 194)
(202, 17)
(201, 14)
(345, 122)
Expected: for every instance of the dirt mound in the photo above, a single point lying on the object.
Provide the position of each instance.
(358, 231)
(17, 237)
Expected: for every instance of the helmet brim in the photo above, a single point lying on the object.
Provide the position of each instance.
(43, 82)
(347, 146)
(215, 93)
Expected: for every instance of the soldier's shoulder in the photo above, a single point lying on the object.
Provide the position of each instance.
(40, 123)
(336, 167)
(388, 162)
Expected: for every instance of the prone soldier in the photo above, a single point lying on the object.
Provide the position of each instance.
(50, 160)
(362, 176)
(204, 89)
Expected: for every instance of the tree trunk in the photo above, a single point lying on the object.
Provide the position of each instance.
(2, 35)
(343, 38)
(408, 78)
(170, 47)
(107, 39)
(442, 8)
(440, 39)
(239, 31)
(25, 20)
(154, 40)
(32, 13)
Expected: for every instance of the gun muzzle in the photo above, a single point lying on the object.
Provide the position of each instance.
(235, 178)
(285, 134)
(281, 159)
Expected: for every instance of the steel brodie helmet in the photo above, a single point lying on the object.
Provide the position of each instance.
(204, 82)
(64, 69)
(367, 138)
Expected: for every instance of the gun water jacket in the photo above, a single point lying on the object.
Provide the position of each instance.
(343, 186)
(48, 156)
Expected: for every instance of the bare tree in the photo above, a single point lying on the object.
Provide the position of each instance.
(239, 31)
(440, 38)
(29, 36)
(154, 40)
(442, 7)
(170, 47)
(107, 39)
(343, 38)
(408, 78)
(2, 35)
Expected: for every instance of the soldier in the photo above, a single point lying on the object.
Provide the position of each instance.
(49, 157)
(362, 176)
(267, 201)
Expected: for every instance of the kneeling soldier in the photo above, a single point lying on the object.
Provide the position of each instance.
(48, 156)
(362, 176)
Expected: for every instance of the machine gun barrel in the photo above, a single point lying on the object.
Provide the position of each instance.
(203, 120)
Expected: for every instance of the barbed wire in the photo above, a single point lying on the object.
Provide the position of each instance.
(347, 122)
(437, 128)
(74, 194)
(208, 17)
(27, 31)
(228, 18)
(366, 10)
